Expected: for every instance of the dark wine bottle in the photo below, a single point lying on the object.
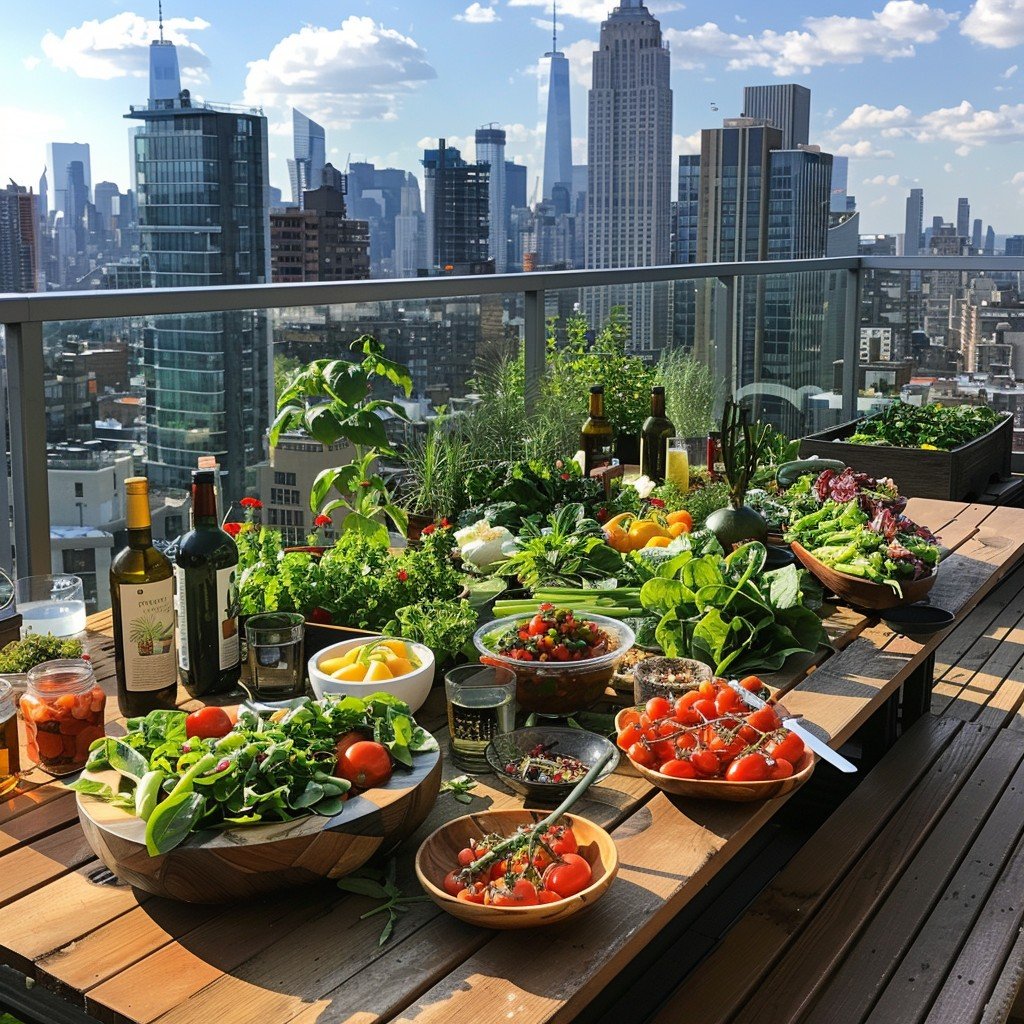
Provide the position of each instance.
(654, 435)
(596, 435)
(209, 654)
(142, 595)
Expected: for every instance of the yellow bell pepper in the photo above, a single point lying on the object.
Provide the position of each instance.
(617, 521)
(618, 539)
(658, 542)
(643, 531)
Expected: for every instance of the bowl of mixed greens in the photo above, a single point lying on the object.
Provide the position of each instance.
(205, 809)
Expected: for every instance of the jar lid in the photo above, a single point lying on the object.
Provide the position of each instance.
(62, 675)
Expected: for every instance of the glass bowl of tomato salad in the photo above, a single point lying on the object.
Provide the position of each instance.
(563, 661)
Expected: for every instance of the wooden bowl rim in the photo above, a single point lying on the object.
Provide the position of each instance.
(856, 582)
(806, 761)
(439, 895)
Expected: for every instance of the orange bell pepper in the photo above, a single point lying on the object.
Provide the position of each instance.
(618, 539)
(658, 542)
(643, 531)
(682, 516)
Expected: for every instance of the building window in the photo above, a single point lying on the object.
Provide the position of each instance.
(79, 491)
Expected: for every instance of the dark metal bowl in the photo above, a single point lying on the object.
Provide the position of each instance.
(918, 622)
(587, 747)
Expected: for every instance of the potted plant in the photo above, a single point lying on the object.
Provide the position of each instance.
(332, 400)
(743, 443)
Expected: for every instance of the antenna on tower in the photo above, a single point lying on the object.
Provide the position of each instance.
(554, 26)
(160, 10)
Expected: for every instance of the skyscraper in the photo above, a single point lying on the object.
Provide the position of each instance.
(164, 77)
(685, 221)
(410, 233)
(839, 202)
(912, 232)
(976, 236)
(490, 150)
(375, 195)
(989, 248)
(208, 379)
(59, 156)
(306, 168)
(786, 107)
(19, 241)
(629, 165)
(963, 217)
(457, 205)
(558, 126)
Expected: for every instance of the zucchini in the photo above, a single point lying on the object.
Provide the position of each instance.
(789, 472)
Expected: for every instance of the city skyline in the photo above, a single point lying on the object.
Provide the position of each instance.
(383, 84)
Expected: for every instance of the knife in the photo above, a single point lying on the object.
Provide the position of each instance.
(812, 742)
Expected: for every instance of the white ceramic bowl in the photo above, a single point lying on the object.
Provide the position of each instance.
(412, 687)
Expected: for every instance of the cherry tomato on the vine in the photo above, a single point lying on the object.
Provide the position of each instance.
(209, 723)
(788, 748)
(568, 876)
(749, 768)
(658, 707)
(679, 768)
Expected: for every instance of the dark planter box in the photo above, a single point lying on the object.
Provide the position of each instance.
(962, 474)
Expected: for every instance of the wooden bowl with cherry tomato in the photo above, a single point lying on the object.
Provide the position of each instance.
(709, 745)
(502, 901)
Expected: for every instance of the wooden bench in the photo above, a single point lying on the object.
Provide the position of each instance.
(905, 906)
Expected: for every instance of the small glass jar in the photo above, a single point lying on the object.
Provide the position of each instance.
(63, 709)
(10, 751)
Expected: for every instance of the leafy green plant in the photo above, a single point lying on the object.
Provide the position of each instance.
(566, 548)
(331, 400)
(437, 463)
(931, 426)
(729, 614)
(21, 655)
(443, 625)
(691, 392)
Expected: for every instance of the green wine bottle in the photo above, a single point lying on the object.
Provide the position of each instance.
(654, 435)
(209, 654)
(142, 595)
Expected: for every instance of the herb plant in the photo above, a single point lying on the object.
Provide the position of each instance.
(21, 655)
(927, 426)
(443, 625)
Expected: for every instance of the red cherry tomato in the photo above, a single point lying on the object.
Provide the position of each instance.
(453, 884)
(782, 769)
(686, 741)
(749, 768)
(705, 762)
(547, 896)
(522, 894)
(658, 707)
(706, 708)
(707, 689)
(568, 876)
(345, 741)
(728, 702)
(752, 683)
(641, 755)
(629, 735)
(561, 840)
(628, 716)
(365, 764)
(208, 724)
(470, 895)
(686, 702)
(787, 748)
(764, 719)
(678, 768)
(498, 870)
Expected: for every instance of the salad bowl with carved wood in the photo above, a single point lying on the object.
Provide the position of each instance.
(243, 862)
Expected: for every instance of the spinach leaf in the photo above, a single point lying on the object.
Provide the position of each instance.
(172, 821)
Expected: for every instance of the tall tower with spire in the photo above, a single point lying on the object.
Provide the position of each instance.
(164, 76)
(558, 129)
(629, 168)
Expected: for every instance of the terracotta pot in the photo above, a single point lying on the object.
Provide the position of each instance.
(417, 524)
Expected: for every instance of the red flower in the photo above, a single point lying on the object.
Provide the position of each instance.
(602, 515)
(322, 521)
(445, 524)
(656, 502)
(427, 530)
(251, 503)
(364, 483)
(321, 616)
(234, 529)
(402, 575)
(565, 476)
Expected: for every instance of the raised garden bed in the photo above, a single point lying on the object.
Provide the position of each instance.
(963, 474)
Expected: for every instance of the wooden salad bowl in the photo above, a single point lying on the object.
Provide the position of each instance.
(723, 789)
(239, 863)
(860, 593)
(439, 854)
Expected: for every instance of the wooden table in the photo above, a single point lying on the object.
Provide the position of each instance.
(105, 952)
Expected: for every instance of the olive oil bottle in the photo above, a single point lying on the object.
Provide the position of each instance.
(596, 436)
(142, 595)
(654, 435)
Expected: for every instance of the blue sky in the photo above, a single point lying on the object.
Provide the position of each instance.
(917, 94)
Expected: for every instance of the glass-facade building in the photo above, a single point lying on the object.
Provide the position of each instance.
(201, 178)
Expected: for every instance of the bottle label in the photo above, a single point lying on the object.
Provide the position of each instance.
(147, 634)
(183, 660)
(227, 615)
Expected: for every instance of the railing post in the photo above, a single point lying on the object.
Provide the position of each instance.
(725, 354)
(851, 344)
(535, 343)
(27, 406)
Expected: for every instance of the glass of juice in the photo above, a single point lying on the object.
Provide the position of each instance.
(677, 463)
(481, 705)
(276, 668)
(51, 604)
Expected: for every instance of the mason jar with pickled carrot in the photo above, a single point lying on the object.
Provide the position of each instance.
(63, 709)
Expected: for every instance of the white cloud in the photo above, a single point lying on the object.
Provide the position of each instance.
(892, 32)
(595, 10)
(688, 144)
(119, 47)
(867, 117)
(962, 150)
(1018, 181)
(33, 128)
(30, 63)
(948, 167)
(359, 71)
(998, 23)
(880, 201)
(864, 149)
(1009, 72)
(581, 60)
(881, 179)
(545, 24)
(477, 14)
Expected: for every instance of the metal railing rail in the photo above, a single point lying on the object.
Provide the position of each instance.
(23, 316)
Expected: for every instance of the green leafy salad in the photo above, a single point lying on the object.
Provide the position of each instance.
(271, 766)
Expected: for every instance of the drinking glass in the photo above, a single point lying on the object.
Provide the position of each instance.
(697, 452)
(677, 463)
(276, 666)
(50, 604)
(481, 705)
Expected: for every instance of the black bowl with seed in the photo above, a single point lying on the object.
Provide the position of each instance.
(554, 756)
